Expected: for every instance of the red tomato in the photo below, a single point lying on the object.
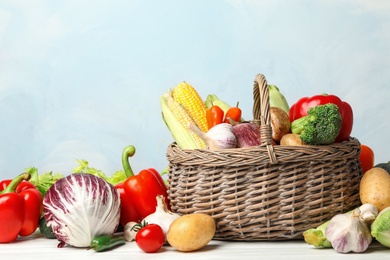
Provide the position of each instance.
(234, 113)
(214, 116)
(150, 238)
(366, 158)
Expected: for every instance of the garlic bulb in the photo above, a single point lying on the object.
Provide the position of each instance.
(349, 232)
(220, 136)
(162, 216)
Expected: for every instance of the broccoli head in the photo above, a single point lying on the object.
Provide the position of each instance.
(320, 126)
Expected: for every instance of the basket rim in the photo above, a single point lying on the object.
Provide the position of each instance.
(284, 154)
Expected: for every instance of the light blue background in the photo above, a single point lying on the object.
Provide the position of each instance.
(82, 79)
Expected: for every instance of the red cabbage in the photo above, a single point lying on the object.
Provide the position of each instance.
(80, 207)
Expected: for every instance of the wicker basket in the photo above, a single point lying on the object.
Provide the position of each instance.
(265, 192)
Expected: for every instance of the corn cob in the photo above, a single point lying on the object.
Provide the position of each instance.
(189, 98)
(184, 118)
(177, 119)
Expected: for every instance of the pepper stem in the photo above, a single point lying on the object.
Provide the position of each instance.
(128, 152)
(34, 179)
(15, 182)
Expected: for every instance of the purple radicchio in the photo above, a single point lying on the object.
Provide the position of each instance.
(80, 207)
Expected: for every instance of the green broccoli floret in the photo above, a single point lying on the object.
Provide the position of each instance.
(320, 126)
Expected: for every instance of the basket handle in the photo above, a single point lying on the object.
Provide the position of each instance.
(261, 114)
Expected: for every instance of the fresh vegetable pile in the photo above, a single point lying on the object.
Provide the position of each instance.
(354, 231)
(88, 209)
(213, 124)
(317, 121)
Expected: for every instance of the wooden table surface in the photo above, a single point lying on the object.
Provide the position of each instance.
(38, 247)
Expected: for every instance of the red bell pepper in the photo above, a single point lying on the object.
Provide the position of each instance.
(300, 108)
(20, 208)
(138, 192)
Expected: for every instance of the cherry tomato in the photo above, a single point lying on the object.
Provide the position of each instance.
(214, 116)
(366, 158)
(233, 113)
(150, 238)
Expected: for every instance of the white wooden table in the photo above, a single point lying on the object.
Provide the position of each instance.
(37, 247)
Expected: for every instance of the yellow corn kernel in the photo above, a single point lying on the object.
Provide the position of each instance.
(189, 98)
(183, 118)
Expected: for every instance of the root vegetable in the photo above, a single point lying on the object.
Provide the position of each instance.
(191, 232)
(291, 140)
(375, 188)
(280, 122)
(247, 134)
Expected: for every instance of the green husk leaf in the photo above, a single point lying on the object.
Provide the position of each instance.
(277, 99)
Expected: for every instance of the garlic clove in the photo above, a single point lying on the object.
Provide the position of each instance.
(129, 232)
(368, 212)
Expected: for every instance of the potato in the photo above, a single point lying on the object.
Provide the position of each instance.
(191, 232)
(280, 122)
(375, 188)
(291, 140)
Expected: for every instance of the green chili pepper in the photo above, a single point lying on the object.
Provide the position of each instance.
(45, 229)
(103, 243)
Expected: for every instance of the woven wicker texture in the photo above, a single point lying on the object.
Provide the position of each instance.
(265, 192)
